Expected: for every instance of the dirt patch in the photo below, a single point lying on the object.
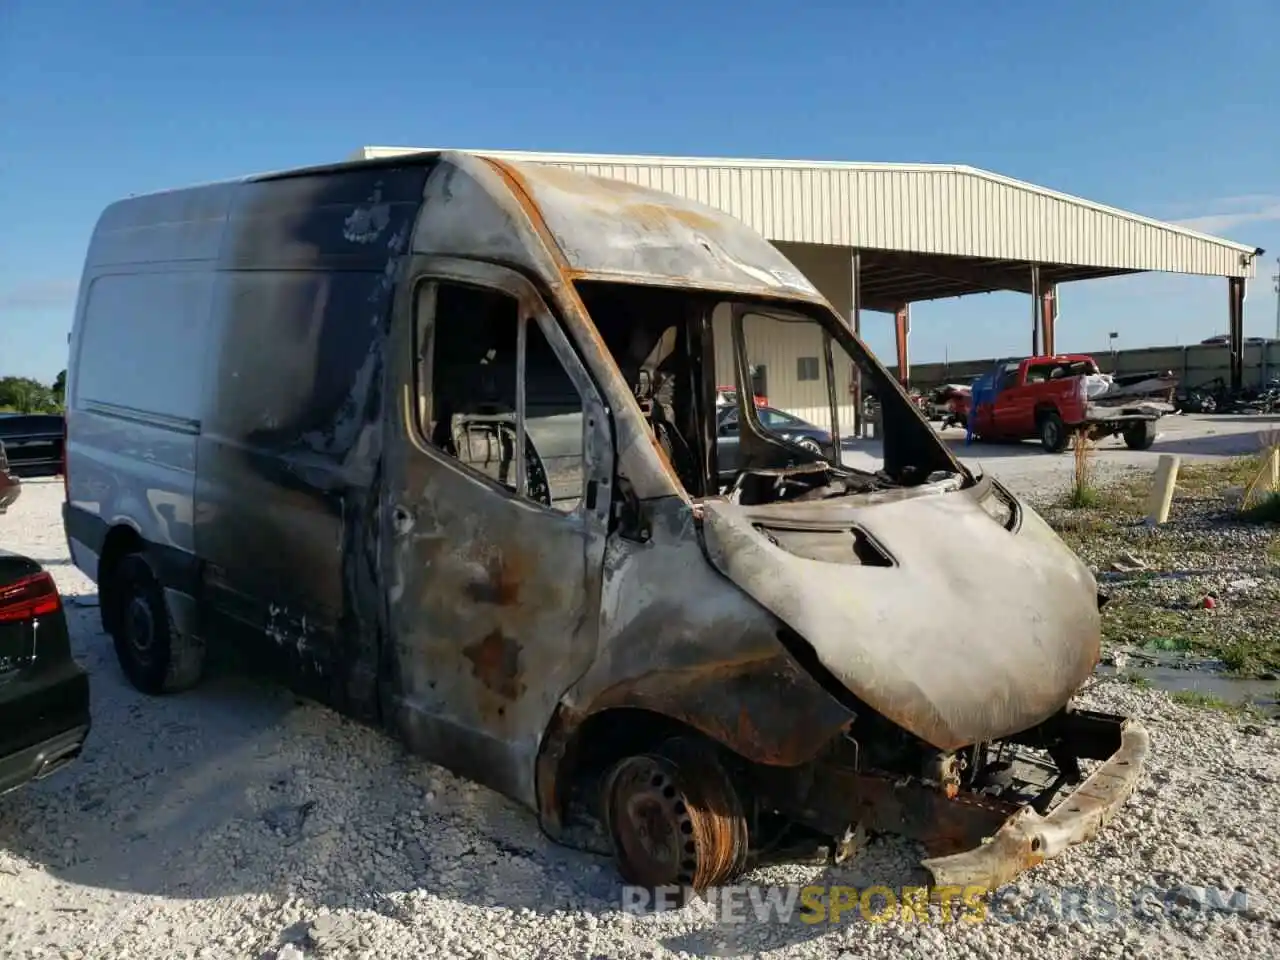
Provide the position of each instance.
(1204, 584)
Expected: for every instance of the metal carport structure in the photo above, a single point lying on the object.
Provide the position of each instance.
(881, 236)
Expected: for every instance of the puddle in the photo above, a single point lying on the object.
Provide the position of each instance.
(1260, 693)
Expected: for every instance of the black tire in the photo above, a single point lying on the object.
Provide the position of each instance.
(155, 656)
(1139, 435)
(810, 444)
(1053, 432)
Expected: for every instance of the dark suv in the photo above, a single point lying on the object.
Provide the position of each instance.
(33, 442)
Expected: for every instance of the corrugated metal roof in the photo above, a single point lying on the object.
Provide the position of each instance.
(917, 208)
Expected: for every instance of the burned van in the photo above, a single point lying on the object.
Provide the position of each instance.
(435, 440)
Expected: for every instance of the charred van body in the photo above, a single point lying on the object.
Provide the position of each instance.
(434, 438)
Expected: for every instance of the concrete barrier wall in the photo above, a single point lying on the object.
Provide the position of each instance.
(1194, 366)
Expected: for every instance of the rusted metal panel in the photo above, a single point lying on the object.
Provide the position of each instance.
(681, 640)
(292, 435)
(610, 229)
(999, 647)
(1027, 838)
(495, 631)
(493, 601)
(887, 803)
(975, 839)
(480, 210)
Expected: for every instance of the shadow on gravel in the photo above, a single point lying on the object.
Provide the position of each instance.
(239, 788)
(991, 448)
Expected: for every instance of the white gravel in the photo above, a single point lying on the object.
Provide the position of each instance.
(236, 822)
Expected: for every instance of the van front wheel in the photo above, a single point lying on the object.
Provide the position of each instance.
(674, 819)
(155, 656)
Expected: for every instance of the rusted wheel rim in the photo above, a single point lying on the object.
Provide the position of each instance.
(649, 823)
(675, 819)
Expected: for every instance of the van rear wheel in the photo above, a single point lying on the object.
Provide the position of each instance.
(155, 656)
(675, 819)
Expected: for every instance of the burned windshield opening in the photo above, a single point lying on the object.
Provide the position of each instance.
(791, 377)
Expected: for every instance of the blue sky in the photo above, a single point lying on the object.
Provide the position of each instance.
(1165, 108)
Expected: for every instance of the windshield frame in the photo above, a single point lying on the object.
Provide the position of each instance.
(909, 440)
(612, 307)
(739, 311)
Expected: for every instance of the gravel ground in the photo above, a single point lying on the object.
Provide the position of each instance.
(235, 821)
(1193, 437)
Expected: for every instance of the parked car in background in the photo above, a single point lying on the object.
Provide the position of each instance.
(44, 693)
(799, 432)
(10, 486)
(1050, 398)
(1222, 340)
(33, 442)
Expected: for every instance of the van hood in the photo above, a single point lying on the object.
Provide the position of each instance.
(951, 626)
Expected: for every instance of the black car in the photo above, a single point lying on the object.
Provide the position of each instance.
(33, 442)
(44, 693)
(799, 432)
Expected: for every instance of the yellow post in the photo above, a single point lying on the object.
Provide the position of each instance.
(1161, 498)
(1275, 468)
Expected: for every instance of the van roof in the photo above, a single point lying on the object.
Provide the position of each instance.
(606, 229)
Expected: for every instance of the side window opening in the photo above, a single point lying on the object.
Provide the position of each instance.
(776, 418)
(467, 343)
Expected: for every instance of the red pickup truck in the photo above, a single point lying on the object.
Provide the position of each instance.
(1050, 398)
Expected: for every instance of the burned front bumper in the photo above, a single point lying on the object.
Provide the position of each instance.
(974, 840)
(1027, 839)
